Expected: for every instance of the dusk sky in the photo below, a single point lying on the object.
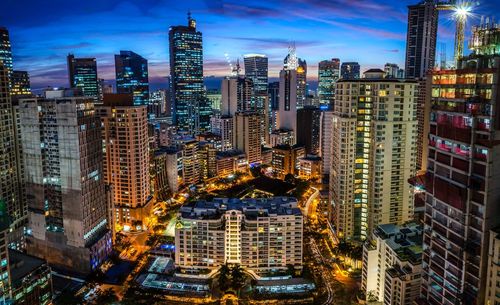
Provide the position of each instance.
(368, 31)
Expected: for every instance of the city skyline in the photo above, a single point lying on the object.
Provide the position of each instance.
(320, 31)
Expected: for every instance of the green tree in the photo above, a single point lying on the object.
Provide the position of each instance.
(224, 277)
(237, 278)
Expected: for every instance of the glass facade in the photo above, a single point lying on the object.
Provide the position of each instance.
(328, 75)
(132, 76)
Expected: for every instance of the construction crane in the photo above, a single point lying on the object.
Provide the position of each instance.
(461, 10)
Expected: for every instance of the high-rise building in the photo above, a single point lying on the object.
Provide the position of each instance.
(5, 50)
(256, 69)
(223, 126)
(301, 83)
(62, 154)
(132, 76)
(20, 83)
(274, 93)
(350, 70)
(11, 191)
(493, 273)
(373, 156)
(392, 264)
(126, 157)
(462, 183)
(421, 38)
(287, 112)
(247, 135)
(308, 124)
(229, 230)
(191, 111)
(325, 138)
(328, 75)
(393, 71)
(215, 98)
(5, 224)
(82, 74)
(237, 95)
(286, 159)
(189, 148)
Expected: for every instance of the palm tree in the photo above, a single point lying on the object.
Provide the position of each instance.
(237, 278)
(224, 278)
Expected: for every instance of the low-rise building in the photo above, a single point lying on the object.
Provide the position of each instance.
(392, 264)
(259, 234)
(286, 159)
(230, 161)
(310, 167)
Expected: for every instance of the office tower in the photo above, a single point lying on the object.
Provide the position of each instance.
(282, 137)
(159, 174)
(82, 74)
(207, 158)
(62, 154)
(247, 135)
(158, 103)
(274, 93)
(189, 148)
(373, 153)
(349, 70)
(186, 72)
(287, 112)
(20, 83)
(237, 95)
(393, 71)
(132, 76)
(421, 38)
(301, 83)
(256, 69)
(230, 230)
(31, 279)
(493, 273)
(462, 182)
(223, 126)
(328, 75)
(325, 138)
(392, 264)
(286, 159)
(308, 124)
(5, 50)
(215, 98)
(126, 157)
(11, 192)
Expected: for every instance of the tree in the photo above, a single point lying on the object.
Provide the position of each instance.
(237, 278)
(224, 278)
(289, 178)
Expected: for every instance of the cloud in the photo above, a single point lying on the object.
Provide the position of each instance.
(392, 51)
(73, 46)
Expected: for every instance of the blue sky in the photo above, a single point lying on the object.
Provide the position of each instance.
(368, 31)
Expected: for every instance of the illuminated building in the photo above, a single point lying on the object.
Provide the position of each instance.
(247, 135)
(31, 279)
(349, 70)
(421, 38)
(189, 148)
(328, 75)
(126, 157)
(11, 168)
(215, 98)
(392, 264)
(259, 234)
(310, 167)
(5, 50)
(373, 155)
(493, 274)
(286, 159)
(132, 76)
(462, 183)
(287, 111)
(282, 137)
(223, 126)
(256, 69)
(325, 138)
(159, 103)
(191, 110)
(68, 208)
(308, 124)
(20, 83)
(228, 162)
(159, 173)
(207, 159)
(5, 223)
(274, 93)
(82, 73)
(393, 71)
(293, 63)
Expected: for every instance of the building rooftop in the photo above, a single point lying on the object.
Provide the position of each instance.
(251, 207)
(22, 264)
(229, 153)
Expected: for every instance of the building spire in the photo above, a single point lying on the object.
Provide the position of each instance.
(191, 21)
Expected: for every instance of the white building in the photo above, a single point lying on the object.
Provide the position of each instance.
(260, 234)
(325, 138)
(223, 126)
(392, 264)
(373, 153)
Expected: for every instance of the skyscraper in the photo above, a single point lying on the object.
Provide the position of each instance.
(393, 71)
(349, 70)
(287, 112)
(5, 50)
(256, 69)
(82, 74)
(292, 62)
(462, 182)
(191, 111)
(132, 76)
(124, 129)
(328, 75)
(10, 185)
(373, 138)
(421, 38)
(62, 153)
(20, 82)
(247, 135)
(308, 124)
